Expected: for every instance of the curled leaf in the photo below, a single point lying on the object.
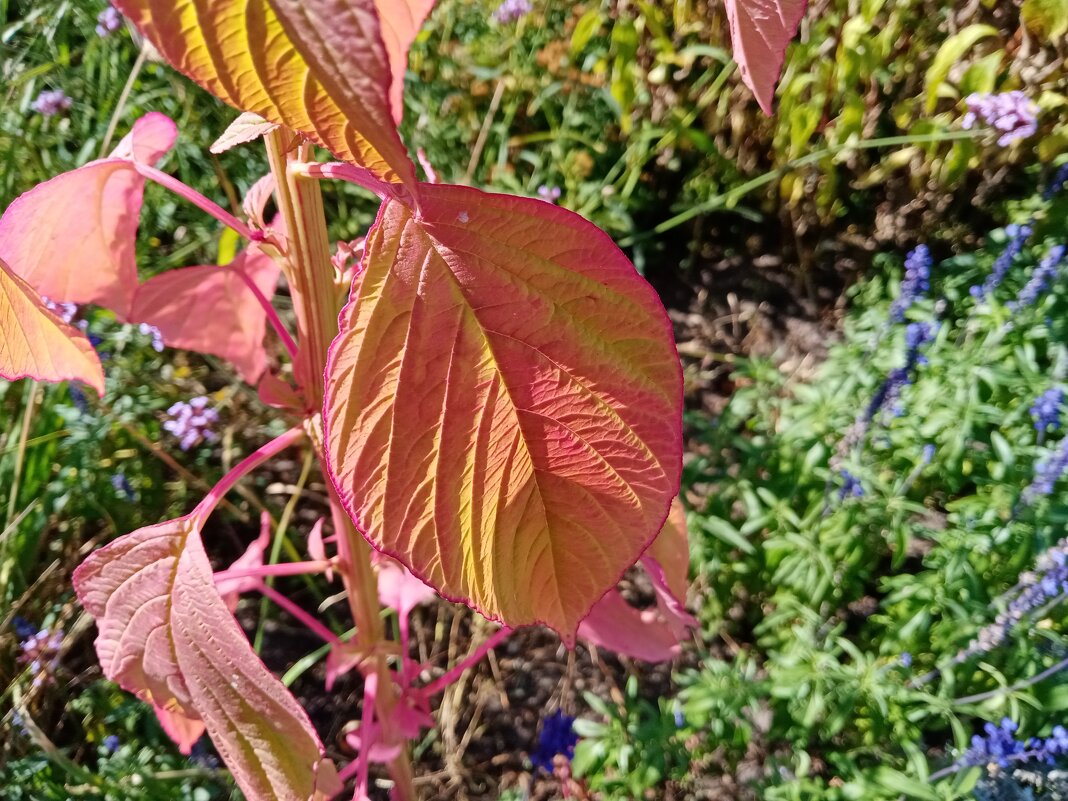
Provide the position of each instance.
(503, 409)
(248, 127)
(35, 343)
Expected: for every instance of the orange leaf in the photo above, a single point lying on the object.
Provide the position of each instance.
(35, 343)
(166, 635)
(504, 404)
(400, 22)
(319, 67)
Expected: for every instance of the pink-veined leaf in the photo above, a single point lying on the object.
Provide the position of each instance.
(760, 33)
(400, 21)
(503, 409)
(72, 238)
(212, 309)
(35, 343)
(319, 67)
(248, 127)
(166, 635)
(670, 551)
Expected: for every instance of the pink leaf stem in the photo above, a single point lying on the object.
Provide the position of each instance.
(272, 314)
(487, 645)
(313, 625)
(282, 569)
(246, 466)
(347, 172)
(198, 200)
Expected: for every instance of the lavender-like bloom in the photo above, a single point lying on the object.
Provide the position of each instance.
(40, 652)
(1018, 236)
(511, 10)
(157, 336)
(77, 397)
(1014, 114)
(123, 486)
(64, 311)
(906, 660)
(1000, 746)
(915, 284)
(917, 335)
(851, 486)
(1041, 278)
(557, 738)
(549, 193)
(1047, 472)
(111, 743)
(192, 422)
(51, 102)
(928, 453)
(1046, 410)
(108, 21)
(1060, 178)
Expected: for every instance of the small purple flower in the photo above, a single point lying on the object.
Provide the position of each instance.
(192, 422)
(111, 743)
(157, 336)
(999, 745)
(1041, 278)
(1060, 178)
(77, 397)
(1018, 236)
(64, 311)
(1013, 114)
(108, 21)
(1047, 472)
(1046, 410)
(915, 284)
(928, 453)
(51, 102)
(906, 659)
(40, 653)
(511, 10)
(549, 193)
(122, 486)
(557, 738)
(851, 486)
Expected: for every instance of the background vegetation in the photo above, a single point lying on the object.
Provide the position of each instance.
(837, 584)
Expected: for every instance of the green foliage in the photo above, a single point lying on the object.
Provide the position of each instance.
(634, 749)
(823, 593)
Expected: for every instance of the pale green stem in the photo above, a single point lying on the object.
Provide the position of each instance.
(317, 302)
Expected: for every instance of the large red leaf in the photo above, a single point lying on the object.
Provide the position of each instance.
(319, 67)
(212, 309)
(503, 406)
(35, 343)
(72, 238)
(760, 33)
(166, 635)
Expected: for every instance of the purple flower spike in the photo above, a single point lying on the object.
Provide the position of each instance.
(511, 10)
(108, 21)
(1014, 114)
(51, 102)
(915, 284)
(557, 738)
(192, 422)
(1046, 411)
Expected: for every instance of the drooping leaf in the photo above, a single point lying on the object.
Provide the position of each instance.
(760, 33)
(211, 309)
(35, 343)
(671, 551)
(319, 67)
(166, 635)
(400, 23)
(503, 406)
(72, 238)
(231, 588)
(642, 634)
